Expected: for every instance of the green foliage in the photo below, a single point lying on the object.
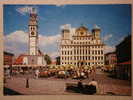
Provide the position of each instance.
(58, 60)
(48, 59)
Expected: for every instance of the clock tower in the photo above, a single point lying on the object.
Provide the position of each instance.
(34, 56)
(33, 33)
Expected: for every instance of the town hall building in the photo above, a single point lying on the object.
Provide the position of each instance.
(81, 47)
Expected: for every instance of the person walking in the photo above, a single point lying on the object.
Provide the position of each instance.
(8, 73)
(94, 72)
(37, 73)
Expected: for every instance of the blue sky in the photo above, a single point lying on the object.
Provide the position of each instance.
(114, 20)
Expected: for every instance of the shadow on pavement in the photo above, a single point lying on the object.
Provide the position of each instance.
(8, 91)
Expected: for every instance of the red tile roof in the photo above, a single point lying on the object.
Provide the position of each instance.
(19, 60)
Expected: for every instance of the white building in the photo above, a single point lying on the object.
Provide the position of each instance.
(81, 47)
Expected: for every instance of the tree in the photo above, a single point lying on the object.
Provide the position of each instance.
(48, 59)
(58, 60)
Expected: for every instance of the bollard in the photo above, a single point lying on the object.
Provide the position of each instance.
(5, 80)
(27, 82)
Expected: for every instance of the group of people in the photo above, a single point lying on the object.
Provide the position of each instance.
(78, 73)
(85, 88)
(74, 73)
(90, 88)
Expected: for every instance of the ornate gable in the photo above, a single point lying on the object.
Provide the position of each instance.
(81, 31)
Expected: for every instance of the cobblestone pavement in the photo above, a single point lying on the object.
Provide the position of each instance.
(57, 86)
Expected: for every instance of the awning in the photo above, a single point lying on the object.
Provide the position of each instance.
(28, 65)
(6, 66)
(125, 63)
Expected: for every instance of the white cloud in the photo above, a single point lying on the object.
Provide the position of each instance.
(17, 36)
(109, 49)
(25, 9)
(60, 3)
(107, 37)
(17, 42)
(50, 44)
(48, 40)
(65, 26)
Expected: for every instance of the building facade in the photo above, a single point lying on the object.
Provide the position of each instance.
(8, 59)
(123, 50)
(111, 59)
(81, 47)
(124, 63)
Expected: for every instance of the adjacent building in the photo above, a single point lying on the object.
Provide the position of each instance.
(110, 59)
(123, 50)
(8, 59)
(81, 46)
(123, 53)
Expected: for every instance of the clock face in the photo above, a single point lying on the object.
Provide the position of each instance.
(32, 33)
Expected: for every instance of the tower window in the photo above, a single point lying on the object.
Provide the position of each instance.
(81, 33)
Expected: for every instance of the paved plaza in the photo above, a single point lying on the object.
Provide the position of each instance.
(44, 86)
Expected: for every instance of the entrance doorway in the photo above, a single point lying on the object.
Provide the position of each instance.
(81, 63)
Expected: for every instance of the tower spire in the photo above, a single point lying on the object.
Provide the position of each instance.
(33, 10)
(96, 26)
(96, 31)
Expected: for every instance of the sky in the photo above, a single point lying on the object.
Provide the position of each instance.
(114, 21)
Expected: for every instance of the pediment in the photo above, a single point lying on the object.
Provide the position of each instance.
(81, 31)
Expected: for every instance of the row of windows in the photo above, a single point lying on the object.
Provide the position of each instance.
(66, 62)
(81, 51)
(67, 47)
(83, 58)
(81, 42)
(97, 57)
(66, 52)
(82, 47)
(32, 28)
(82, 38)
(97, 63)
(96, 46)
(96, 52)
(86, 63)
(85, 42)
(66, 58)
